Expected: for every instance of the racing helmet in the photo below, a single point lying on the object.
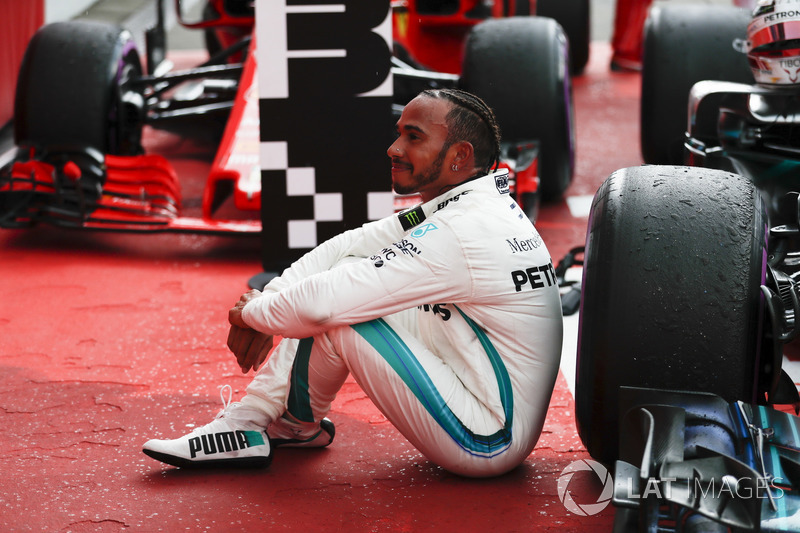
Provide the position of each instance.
(773, 42)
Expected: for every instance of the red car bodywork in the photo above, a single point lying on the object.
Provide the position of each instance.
(143, 193)
(435, 36)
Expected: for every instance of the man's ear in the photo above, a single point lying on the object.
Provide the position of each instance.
(463, 154)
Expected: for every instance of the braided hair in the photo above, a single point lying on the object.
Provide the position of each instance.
(471, 120)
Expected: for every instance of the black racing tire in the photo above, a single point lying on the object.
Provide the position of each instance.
(74, 89)
(674, 262)
(684, 44)
(519, 67)
(575, 17)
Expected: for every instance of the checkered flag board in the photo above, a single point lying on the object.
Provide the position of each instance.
(325, 96)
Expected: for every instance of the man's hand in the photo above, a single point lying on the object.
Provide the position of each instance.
(250, 347)
(235, 313)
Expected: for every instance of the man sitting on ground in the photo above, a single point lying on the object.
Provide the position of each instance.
(447, 315)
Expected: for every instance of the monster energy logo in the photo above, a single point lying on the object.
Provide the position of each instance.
(412, 217)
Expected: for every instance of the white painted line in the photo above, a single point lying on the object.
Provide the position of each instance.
(569, 351)
(579, 206)
(569, 346)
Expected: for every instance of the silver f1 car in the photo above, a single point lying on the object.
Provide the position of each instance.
(690, 288)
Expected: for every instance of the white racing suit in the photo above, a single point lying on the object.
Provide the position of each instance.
(447, 315)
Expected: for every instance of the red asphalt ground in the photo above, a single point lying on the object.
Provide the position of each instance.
(107, 340)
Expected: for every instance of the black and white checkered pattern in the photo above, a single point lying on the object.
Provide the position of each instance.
(325, 120)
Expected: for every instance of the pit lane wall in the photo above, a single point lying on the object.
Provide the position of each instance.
(325, 95)
(55, 10)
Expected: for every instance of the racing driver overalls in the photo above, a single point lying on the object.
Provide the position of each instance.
(447, 315)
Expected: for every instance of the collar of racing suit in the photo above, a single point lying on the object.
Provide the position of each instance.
(414, 216)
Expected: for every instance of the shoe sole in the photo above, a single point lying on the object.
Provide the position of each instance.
(325, 425)
(234, 462)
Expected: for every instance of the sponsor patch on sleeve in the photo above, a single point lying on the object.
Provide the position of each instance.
(411, 217)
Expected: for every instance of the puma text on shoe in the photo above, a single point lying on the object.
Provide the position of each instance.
(228, 440)
(224, 442)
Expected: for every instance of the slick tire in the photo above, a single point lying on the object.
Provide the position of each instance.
(684, 44)
(575, 17)
(674, 262)
(75, 89)
(520, 67)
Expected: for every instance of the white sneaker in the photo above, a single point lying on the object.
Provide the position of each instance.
(289, 433)
(229, 440)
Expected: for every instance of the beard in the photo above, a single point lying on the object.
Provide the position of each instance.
(426, 177)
